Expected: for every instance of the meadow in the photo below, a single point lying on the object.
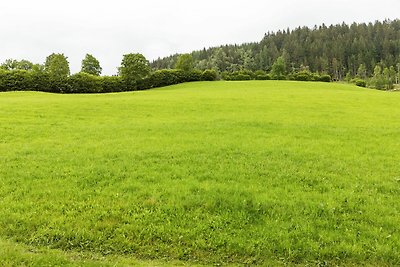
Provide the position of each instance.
(260, 172)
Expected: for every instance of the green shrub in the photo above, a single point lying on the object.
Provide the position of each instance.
(3, 80)
(84, 83)
(169, 77)
(314, 77)
(243, 75)
(16, 80)
(112, 84)
(225, 75)
(248, 72)
(59, 85)
(306, 75)
(360, 83)
(166, 77)
(209, 75)
(40, 81)
(261, 75)
(325, 78)
(303, 76)
(193, 76)
(144, 84)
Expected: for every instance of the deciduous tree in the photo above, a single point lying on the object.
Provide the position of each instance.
(185, 62)
(57, 65)
(278, 70)
(134, 67)
(12, 64)
(91, 65)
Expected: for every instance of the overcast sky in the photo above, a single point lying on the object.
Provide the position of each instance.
(108, 29)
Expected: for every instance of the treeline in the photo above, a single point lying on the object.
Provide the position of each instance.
(364, 54)
(340, 51)
(54, 76)
(278, 72)
(134, 73)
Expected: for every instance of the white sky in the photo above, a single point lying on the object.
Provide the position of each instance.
(108, 29)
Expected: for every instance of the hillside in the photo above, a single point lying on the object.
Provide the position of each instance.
(215, 173)
(335, 49)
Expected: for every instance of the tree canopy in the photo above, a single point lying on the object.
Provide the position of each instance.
(91, 65)
(57, 65)
(278, 70)
(134, 67)
(335, 50)
(185, 62)
(12, 64)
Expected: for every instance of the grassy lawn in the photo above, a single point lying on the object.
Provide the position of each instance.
(213, 173)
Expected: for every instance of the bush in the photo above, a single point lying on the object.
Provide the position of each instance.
(209, 75)
(15, 80)
(40, 81)
(309, 76)
(360, 83)
(314, 77)
(144, 84)
(242, 75)
(170, 77)
(193, 76)
(112, 84)
(302, 76)
(59, 85)
(166, 77)
(325, 78)
(261, 75)
(248, 72)
(84, 83)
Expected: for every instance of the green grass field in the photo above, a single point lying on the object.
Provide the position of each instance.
(201, 173)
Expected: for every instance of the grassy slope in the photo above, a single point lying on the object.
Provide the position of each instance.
(245, 172)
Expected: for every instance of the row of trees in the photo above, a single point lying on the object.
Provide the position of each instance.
(134, 73)
(385, 78)
(336, 50)
(278, 72)
(56, 65)
(133, 67)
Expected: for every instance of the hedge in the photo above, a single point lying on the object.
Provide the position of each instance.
(245, 75)
(21, 80)
(309, 76)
